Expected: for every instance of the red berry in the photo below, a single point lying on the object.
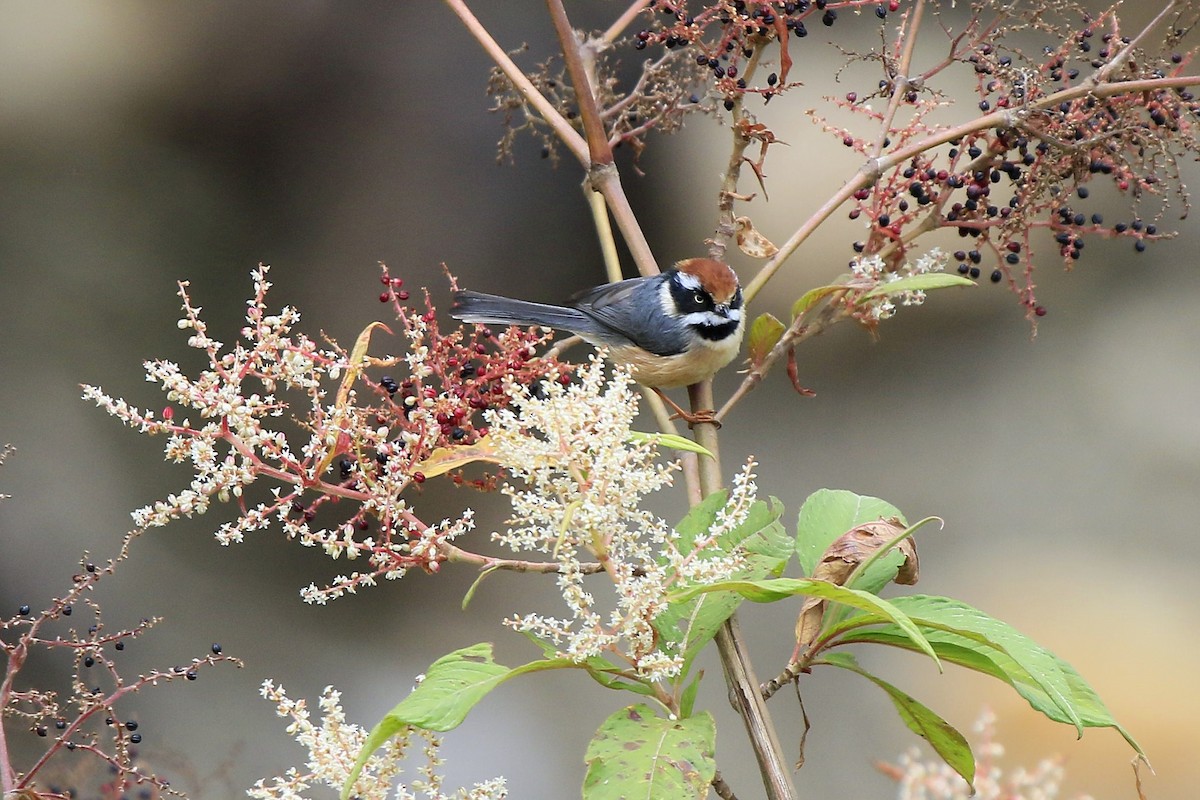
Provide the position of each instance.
(385, 296)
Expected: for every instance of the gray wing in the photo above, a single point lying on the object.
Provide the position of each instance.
(633, 308)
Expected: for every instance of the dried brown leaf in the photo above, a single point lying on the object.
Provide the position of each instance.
(751, 242)
(840, 560)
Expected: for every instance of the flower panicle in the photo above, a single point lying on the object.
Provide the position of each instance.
(313, 438)
(333, 745)
(584, 479)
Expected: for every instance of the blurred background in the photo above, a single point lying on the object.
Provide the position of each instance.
(144, 143)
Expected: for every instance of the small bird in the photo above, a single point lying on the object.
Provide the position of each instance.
(672, 329)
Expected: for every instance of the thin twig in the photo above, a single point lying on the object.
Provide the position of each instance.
(557, 122)
(458, 555)
(630, 14)
(901, 81)
(726, 227)
(800, 330)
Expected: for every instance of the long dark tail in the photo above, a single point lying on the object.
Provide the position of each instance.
(490, 309)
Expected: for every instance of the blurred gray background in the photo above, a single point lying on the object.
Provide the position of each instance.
(149, 142)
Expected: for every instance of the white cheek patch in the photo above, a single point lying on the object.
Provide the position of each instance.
(665, 301)
(710, 318)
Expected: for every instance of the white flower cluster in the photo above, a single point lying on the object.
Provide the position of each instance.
(935, 780)
(238, 441)
(223, 451)
(584, 482)
(334, 745)
(871, 271)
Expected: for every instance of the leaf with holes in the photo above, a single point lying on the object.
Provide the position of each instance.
(636, 753)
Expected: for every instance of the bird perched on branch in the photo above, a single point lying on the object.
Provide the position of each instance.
(672, 329)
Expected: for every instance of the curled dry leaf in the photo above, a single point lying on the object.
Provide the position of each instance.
(751, 242)
(793, 372)
(840, 560)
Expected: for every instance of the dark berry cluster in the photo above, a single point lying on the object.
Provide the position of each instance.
(1062, 121)
(726, 35)
(84, 715)
(462, 374)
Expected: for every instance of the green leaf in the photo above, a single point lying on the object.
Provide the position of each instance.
(690, 625)
(1049, 684)
(988, 660)
(827, 514)
(671, 440)
(771, 590)
(945, 739)
(925, 282)
(687, 700)
(605, 672)
(466, 601)
(636, 753)
(765, 333)
(812, 296)
(453, 685)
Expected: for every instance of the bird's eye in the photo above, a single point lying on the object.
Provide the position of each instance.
(699, 298)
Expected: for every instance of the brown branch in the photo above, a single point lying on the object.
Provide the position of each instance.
(726, 226)
(798, 331)
(1101, 74)
(748, 700)
(593, 128)
(602, 174)
(743, 685)
(606, 180)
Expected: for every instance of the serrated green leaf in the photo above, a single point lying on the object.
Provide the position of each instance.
(688, 626)
(925, 282)
(636, 753)
(453, 685)
(765, 332)
(773, 589)
(827, 514)
(671, 440)
(943, 737)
